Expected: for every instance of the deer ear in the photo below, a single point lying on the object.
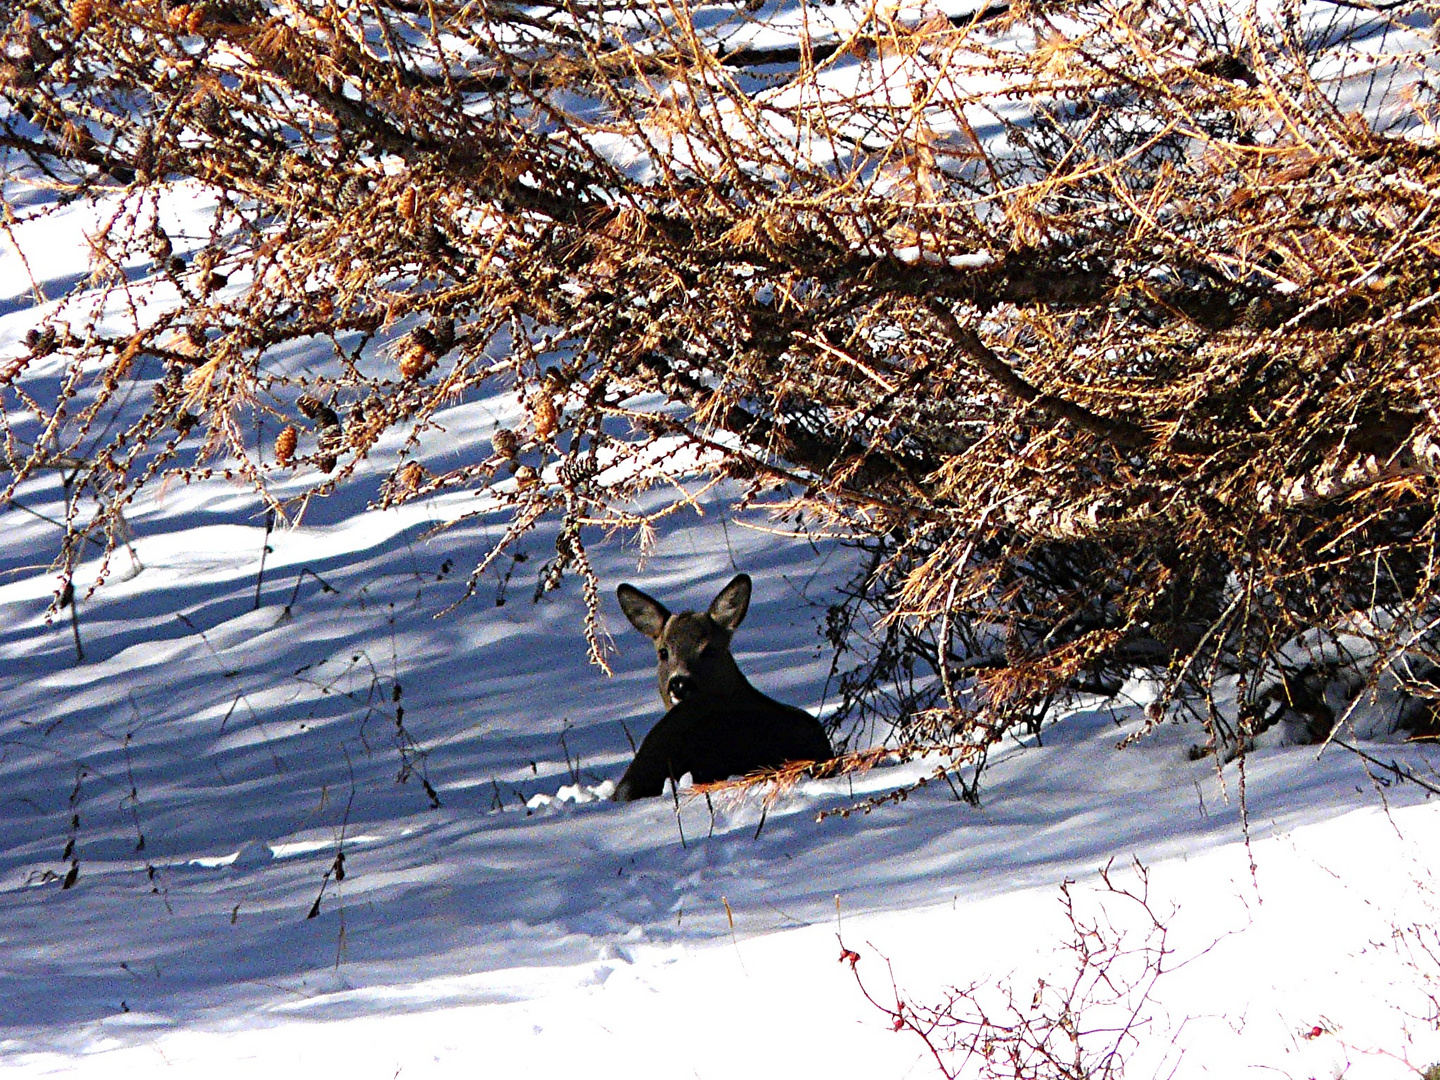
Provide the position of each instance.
(645, 613)
(728, 609)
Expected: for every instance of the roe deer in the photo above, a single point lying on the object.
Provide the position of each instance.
(717, 724)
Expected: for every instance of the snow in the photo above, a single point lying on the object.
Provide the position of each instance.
(207, 764)
(527, 924)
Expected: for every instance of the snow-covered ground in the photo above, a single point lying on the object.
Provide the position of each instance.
(248, 747)
(176, 811)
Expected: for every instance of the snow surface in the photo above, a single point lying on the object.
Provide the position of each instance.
(203, 768)
(248, 746)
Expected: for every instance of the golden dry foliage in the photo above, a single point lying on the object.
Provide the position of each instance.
(1109, 329)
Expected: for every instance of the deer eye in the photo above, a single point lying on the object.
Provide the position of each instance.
(664, 653)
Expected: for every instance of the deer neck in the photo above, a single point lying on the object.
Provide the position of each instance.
(730, 681)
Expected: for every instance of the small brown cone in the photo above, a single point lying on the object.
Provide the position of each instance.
(506, 443)
(416, 361)
(547, 417)
(285, 444)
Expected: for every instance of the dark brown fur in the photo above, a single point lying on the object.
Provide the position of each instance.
(717, 724)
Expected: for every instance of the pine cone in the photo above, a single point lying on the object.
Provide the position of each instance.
(506, 443)
(443, 333)
(576, 470)
(285, 444)
(82, 13)
(546, 416)
(417, 361)
(315, 409)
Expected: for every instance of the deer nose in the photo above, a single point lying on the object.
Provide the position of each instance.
(680, 686)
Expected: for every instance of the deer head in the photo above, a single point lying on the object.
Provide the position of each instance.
(693, 650)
